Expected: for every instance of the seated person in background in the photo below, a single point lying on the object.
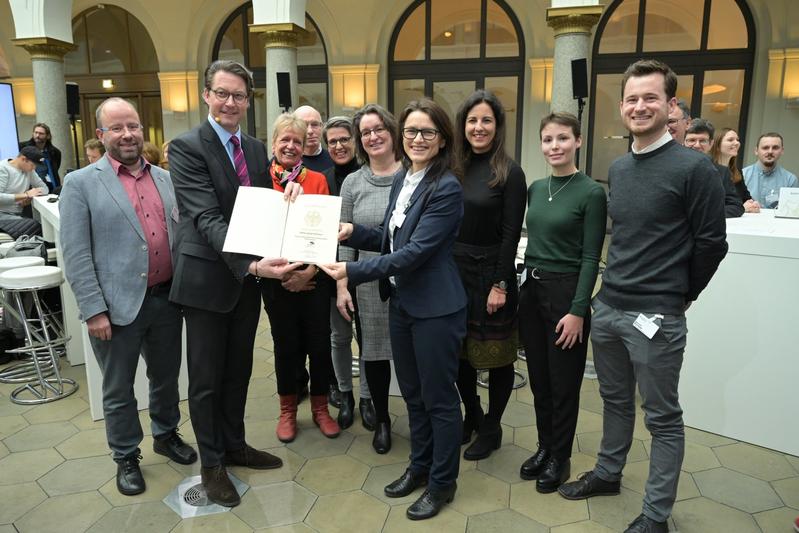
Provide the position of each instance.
(699, 137)
(19, 183)
(765, 178)
(151, 153)
(94, 150)
(724, 151)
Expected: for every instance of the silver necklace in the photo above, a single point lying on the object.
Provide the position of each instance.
(549, 185)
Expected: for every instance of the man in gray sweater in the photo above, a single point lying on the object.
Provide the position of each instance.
(667, 206)
(19, 183)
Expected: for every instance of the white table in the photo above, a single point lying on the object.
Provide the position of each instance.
(79, 351)
(739, 377)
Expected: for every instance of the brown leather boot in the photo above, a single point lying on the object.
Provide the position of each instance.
(287, 423)
(218, 486)
(321, 417)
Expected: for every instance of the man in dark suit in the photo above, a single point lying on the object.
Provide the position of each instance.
(41, 139)
(117, 227)
(218, 290)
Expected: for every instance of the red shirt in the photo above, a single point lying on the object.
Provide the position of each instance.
(146, 201)
(312, 183)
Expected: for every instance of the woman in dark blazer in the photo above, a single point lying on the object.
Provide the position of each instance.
(427, 313)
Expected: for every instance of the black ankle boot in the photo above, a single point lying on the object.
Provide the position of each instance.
(472, 421)
(334, 396)
(368, 416)
(346, 410)
(489, 438)
(381, 442)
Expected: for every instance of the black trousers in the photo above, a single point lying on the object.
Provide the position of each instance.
(300, 324)
(555, 374)
(426, 353)
(219, 353)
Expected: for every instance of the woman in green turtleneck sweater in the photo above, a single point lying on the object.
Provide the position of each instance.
(566, 219)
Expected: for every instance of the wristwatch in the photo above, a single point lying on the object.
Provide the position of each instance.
(501, 285)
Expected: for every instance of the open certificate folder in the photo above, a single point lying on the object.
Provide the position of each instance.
(266, 225)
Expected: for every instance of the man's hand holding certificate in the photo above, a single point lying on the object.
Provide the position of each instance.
(266, 225)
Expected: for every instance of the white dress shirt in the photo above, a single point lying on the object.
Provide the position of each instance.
(412, 180)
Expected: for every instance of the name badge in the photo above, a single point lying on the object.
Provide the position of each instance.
(646, 325)
(523, 277)
(175, 214)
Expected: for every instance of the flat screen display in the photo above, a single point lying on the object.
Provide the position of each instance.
(9, 143)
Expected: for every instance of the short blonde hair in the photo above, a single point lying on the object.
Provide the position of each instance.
(289, 121)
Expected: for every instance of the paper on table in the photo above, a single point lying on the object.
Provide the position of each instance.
(264, 224)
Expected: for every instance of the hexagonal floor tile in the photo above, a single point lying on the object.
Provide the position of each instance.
(361, 449)
(261, 434)
(28, 466)
(83, 421)
(775, 521)
(138, 518)
(262, 409)
(160, 480)
(616, 512)
(518, 415)
(380, 476)
(706, 438)
(3, 450)
(7, 408)
(755, 461)
(737, 490)
(213, 523)
(788, 489)
(588, 444)
(291, 528)
(88, 443)
(275, 505)
(447, 521)
(40, 436)
(327, 475)
(794, 462)
(636, 475)
(262, 388)
(702, 514)
(11, 424)
(582, 527)
(591, 401)
(19, 499)
(61, 513)
(292, 463)
(503, 522)
(526, 437)
(396, 406)
(588, 421)
(480, 493)
(504, 463)
(547, 509)
(310, 443)
(697, 457)
(402, 427)
(78, 475)
(346, 512)
(62, 410)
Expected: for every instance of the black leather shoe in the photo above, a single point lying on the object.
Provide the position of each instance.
(368, 416)
(252, 458)
(533, 466)
(587, 485)
(173, 447)
(129, 478)
(554, 474)
(472, 421)
(218, 487)
(430, 503)
(489, 438)
(644, 524)
(407, 483)
(334, 396)
(381, 441)
(346, 409)
(302, 392)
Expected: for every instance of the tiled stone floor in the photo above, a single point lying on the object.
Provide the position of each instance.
(56, 475)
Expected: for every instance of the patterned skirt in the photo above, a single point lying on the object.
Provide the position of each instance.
(491, 340)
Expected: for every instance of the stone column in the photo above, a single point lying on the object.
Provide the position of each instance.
(47, 57)
(280, 45)
(572, 27)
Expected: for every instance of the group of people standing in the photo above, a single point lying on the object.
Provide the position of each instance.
(431, 218)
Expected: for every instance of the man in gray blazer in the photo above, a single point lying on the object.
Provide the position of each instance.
(117, 221)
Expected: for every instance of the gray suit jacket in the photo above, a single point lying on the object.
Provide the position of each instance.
(105, 252)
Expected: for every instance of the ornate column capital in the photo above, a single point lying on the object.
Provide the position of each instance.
(284, 35)
(45, 47)
(573, 19)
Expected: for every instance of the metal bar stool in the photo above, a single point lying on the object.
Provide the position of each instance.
(41, 342)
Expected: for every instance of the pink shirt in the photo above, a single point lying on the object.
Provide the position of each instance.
(146, 201)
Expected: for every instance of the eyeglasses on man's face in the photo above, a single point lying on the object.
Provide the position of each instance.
(377, 130)
(428, 134)
(119, 128)
(223, 95)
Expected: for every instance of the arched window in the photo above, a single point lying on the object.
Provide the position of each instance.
(446, 49)
(114, 57)
(709, 44)
(235, 42)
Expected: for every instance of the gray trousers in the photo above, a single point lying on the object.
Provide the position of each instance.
(624, 356)
(341, 351)
(156, 334)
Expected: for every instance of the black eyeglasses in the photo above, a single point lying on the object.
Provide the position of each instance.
(378, 130)
(343, 141)
(428, 134)
(222, 95)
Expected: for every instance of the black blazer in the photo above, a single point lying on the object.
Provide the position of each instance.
(733, 205)
(205, 187)
(428, 282)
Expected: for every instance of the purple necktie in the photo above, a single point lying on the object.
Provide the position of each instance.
(239, 162)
